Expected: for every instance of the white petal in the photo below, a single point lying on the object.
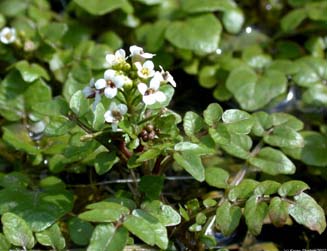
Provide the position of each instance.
(100, 84)
(135, 50)
(109, 74)
(149, 99)
(110, 58)
(147, 55)
(110, 92)
(122, 108)
(142, 88)
(160, 96)
(138, 66)
(119, 81)
(8, 35)
(108, 116)
(155, 82)
(171, 80)
(148, 64)
(120, 54)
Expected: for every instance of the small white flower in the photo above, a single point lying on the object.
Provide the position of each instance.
(8, 35)
(146, 70)
(111, 82)
(137, 53)
(90, 92)
(167, 77)
(152, 94)
(115, 114)
(117, 58)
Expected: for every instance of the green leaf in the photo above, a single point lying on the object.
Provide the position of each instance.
(31, 72)
(164, 213)
(238, 146)
(286, 66)
(278, 211)
(78, 103)
(228, 218)
(307, 212)
(17, 231)
(216, 177)
(38, 91)
(192, 123)
(104, 212)
(233, 20)
(53, 32)
(255, 58)
(284, 119)
(242, 191)
(12, 8)
(104, 161)
(107, 237)
(315, 149)
(255, 212)
(99, 7)
(237, 121)
(284, 136)
(293, 19)
(207, 76)
(316, 95)
(194, 6)
(292, 188)
(212, 114)
(151, 186)
(150, 154)
(147, 228)
(4, 243)
(197, 149)
(199, 33)
(272, 161)
(317, 10)
(98, 119)
(80, 231)
(250, 90)
(191, 163)
(55, 107)
(262, 122)
(51, 237)
(220, 135)
(267, 187)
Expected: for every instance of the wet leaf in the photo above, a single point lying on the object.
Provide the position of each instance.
(192, 163)
(278, 211)
(242, 191)
(78, 103)
(199, 33)
(17, 231)
(98, 119)
(194, 6)
(315, 148)
(31, 72)
(267, 187)
(212, 114)
(228, 218)
(272, 161)
(237, 121)
(99, 7)
(307, 212)
(292, 188)
(284, 136)
(147, 228)
(104, 161)
(216, 177)
(233, 20)
(316, 95)
(192, 123)
(255, 212)
(51, 237)
(262, 122)
(164, 213)
(207, 76)
(284, 119)
(238, 146)
(107, 237)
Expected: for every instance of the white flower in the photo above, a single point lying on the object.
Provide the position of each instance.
(167, 77)
(111, 82)
(152, 94)
(117, 58)
(146, 70)
(8, 35)
(137, 53)
(115, 114)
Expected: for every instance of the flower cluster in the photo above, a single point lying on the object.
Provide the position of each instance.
(8, 35)
(125, 73)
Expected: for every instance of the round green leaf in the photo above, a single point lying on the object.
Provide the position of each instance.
(238, 146)
(78, 103)
(233, 20)
(99, 7)
(267, 187)
(228, 218)
(293, 19)
(31, 72)
(80, 231)
(216, 177)
(307, 212)
(107, 237)
(272, 161)
(104, 161)
(278, 211)
(316, 95)
(315, 149)
(17, 231)
(4, 243)
(212, 114)
(255, 212)
(262, 122)
(200, 33)
(52, 237)
(284, 119)
(250, 90)
(192, 123)
(292, 188)
(284, 136)
(195, 6)
(207, 76)
(242, 191)
(237, 121)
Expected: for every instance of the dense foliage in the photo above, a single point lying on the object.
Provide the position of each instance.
(97, 153)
